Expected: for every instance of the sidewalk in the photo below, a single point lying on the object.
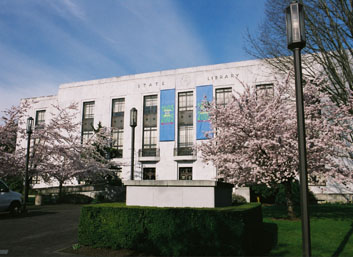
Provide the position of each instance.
(45, 231)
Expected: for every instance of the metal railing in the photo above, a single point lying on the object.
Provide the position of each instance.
(184, 151)
(149, 152)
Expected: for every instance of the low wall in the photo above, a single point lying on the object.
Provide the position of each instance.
(73, 193)
(334, 198)
(178, 193)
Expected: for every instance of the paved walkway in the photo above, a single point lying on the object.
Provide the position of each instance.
(43, 232)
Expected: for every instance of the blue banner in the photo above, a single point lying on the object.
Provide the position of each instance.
(204, 94)
(167, 115)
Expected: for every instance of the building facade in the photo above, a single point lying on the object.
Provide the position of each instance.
(171, 119)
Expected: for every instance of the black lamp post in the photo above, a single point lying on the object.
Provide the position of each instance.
(296, 41)
(133, 124)
(29, 132)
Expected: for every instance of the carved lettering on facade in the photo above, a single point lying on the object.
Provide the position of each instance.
(150, 84)
(222, 76)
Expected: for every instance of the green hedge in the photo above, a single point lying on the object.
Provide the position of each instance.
(235, 230)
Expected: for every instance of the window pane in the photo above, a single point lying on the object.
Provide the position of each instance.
(264, 91)
(149, 173)
(185, 173)
(150, 122)
(223, 96)
(88, 110)
(40, 118)
(185, 101)
(151, 100)
(118, 136)
(119, 105)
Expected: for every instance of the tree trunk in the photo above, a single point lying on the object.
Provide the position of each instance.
(60, 191)
(289, 200)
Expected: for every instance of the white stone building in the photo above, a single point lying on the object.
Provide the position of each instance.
(170, 121)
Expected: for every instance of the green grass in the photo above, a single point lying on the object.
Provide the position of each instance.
(331, 230)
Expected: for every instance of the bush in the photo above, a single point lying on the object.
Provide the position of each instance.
(266, 194)
(15, 183)
(276, 194)
(238, 199)
(75, 199)
(281, 195)
(233, 230)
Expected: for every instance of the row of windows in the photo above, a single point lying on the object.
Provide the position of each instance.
(149, 146)
(185, 133)
(223, 97)
(185, 173)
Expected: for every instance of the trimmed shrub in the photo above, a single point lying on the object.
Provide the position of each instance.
(75, 199)
(237, 199)
(276, 194)
(235, 230)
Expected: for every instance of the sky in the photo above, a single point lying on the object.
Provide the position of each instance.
(44, 43)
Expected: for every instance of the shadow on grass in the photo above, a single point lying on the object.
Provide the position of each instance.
(343, 243)
(333, 211)
(270, 237)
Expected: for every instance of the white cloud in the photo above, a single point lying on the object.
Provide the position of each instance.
(148, 34)
(98, 38)
(66, 8)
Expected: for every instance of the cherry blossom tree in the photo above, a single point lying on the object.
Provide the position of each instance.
(10, 121)
(255, 138)
(57, 153)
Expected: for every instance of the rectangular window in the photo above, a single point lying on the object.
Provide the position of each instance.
(264, 91)
(185, 173)
(149, 173)
(87, 121)
(118, 109)
(185, 123)
(149, 146)
(223, 96)
(40, 119)
(35, 180)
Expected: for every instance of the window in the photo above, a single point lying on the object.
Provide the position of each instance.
(186, 136)
(185, 173)
(223, 96)
(118, 139)
(264, 91)
(88, 110)
(150, 138)
(35, 180)
(185, 102)
(87, 121)
(118, 108)
(149, 173)
(185, 123)
(149, 146)
(40, 119)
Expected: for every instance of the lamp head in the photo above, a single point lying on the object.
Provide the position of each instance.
(29, 125)
(295, 25)
(133, 117)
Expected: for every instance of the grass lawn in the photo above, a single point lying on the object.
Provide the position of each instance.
(331, 230)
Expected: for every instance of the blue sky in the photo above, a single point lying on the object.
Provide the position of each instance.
(45, 43)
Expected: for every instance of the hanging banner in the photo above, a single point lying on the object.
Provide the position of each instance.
(204, 94)
(167, 115)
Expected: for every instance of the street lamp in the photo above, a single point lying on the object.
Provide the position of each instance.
(29, 132)
(133, 124)
(296, 41)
